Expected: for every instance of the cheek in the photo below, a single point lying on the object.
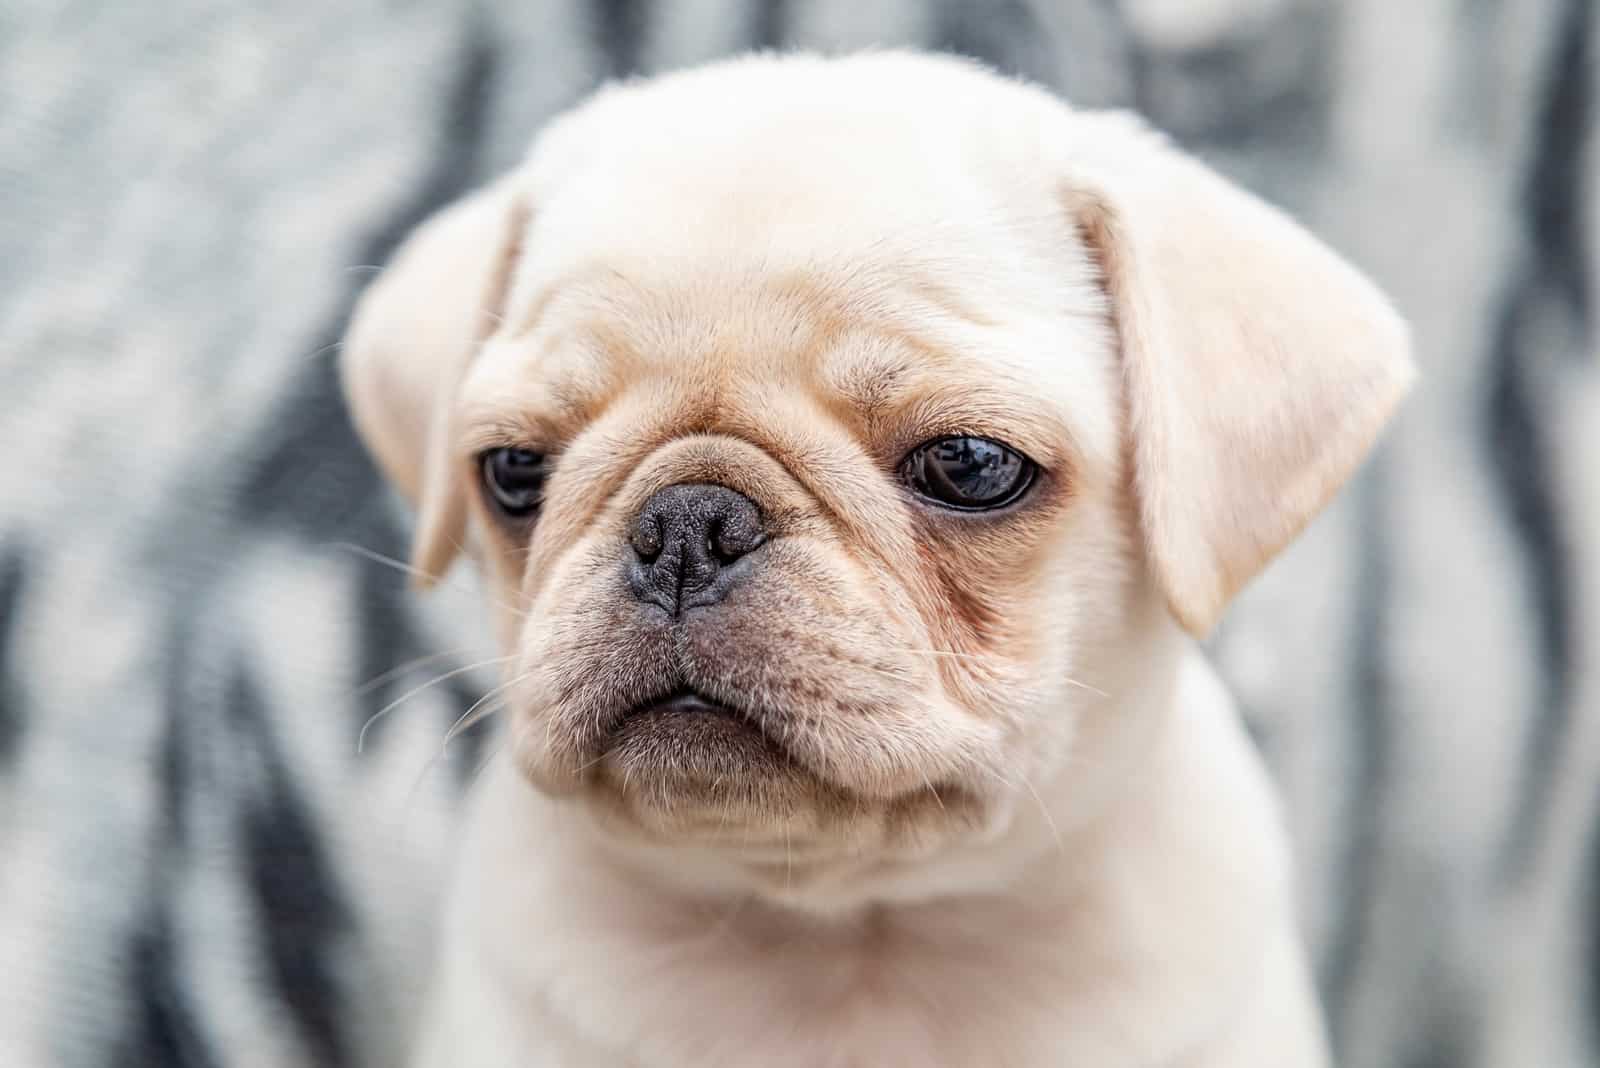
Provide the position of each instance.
(1085, 601)
(1016, 608)
(981, 574)
(976, 593)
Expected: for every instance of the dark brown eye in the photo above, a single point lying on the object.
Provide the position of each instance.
(514, 479)
(967, 473)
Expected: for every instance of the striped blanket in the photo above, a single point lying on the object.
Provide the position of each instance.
(200, 865)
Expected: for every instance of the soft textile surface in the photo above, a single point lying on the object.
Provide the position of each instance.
(198, 867)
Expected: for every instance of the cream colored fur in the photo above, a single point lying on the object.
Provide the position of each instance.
(1018, 822)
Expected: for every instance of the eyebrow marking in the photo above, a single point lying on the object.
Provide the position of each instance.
(871, 384)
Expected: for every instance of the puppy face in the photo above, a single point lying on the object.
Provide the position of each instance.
(747, 505)
(836, 434)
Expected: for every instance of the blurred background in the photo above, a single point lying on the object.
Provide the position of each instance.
(198, 867)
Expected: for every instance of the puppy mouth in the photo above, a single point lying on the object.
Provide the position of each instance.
(687, 766)
(680, 702)
(686, 735)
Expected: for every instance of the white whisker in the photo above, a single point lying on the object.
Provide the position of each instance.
(395, 672)
(467, 720)
(361, 740)
(416, 572)
(932, 790)
(332, 346)
(1044, 810)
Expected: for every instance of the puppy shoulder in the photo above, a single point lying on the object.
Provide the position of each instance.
(1218, 771)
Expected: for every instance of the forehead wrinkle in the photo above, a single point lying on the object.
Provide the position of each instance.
(878, 333)
(830, 463)
(542, 412)
(866, 373)
(552, 376)
(742, 310)
(890, 379)
(540, 294)
(861, 342)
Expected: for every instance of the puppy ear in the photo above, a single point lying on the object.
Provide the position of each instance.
(1258, 366)
(412, 337)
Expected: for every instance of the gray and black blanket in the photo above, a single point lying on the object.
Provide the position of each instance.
(200, 866)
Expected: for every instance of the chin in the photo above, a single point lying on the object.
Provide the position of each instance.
(690, 775)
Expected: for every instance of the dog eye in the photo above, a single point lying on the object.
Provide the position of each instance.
(967, 473)
(514, 479)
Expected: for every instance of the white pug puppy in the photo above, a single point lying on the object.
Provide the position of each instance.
(852, 447)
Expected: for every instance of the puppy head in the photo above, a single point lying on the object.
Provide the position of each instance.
(837, 435)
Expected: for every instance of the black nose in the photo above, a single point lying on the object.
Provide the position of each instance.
(686, 540)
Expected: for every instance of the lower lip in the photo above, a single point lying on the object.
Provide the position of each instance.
(687, 734)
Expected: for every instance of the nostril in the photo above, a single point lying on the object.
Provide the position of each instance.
(715, 547)
(646, 538)
(735, 535)
(728, 549)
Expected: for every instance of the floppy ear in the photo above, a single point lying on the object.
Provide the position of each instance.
(410, 341)
(1258, 366)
